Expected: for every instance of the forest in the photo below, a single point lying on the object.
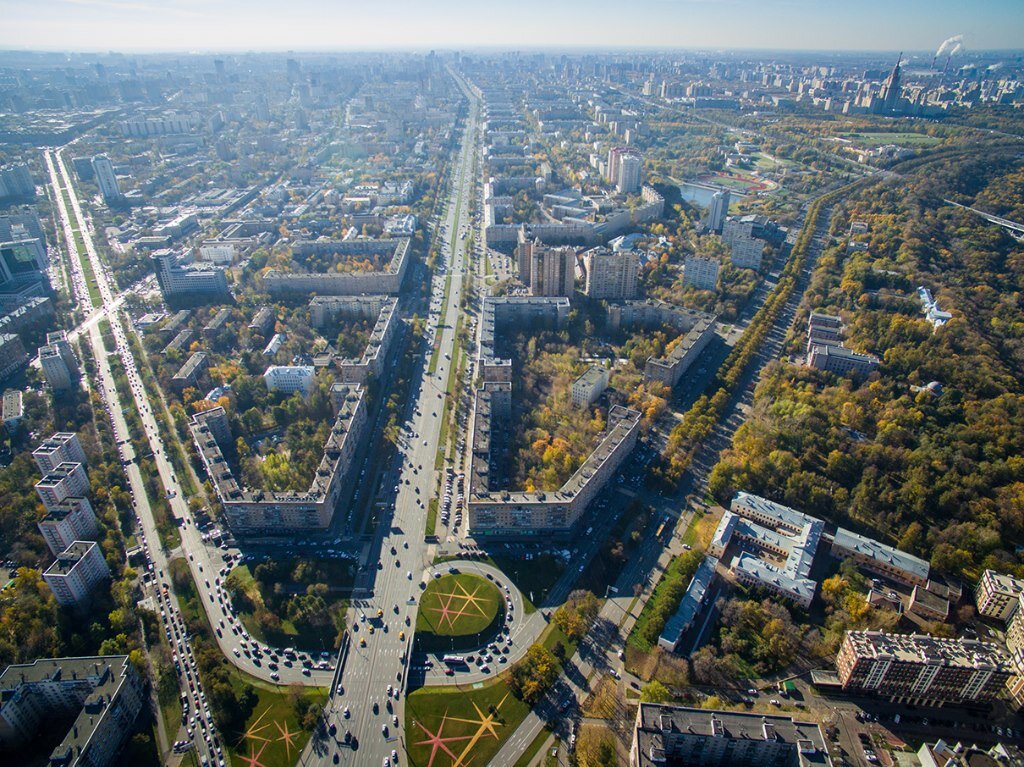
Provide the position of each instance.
(936, 471)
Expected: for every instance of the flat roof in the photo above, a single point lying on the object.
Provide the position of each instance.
(658, 728)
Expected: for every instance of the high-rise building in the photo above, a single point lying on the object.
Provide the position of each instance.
(55, 369)
(177, 280)
(66, 480)
(58, 362)
(547, 271)
(76, 572)
(106, 692)
(613, 166)
(16, 182)
(611, 276)
(718, 210)
(106, 179)
(702, 273)
(747, 253)
(73, 519)
(552, 271)
(997, 595)
(60, 447)
(889, 95)
(922, 669)
(629, 174)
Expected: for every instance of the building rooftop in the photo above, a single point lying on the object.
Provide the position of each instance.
(659, 726)
(882, 553)
(68, 559)
(104, 674)
(924, 648)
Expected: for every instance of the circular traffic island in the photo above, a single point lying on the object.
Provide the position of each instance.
(460, 610)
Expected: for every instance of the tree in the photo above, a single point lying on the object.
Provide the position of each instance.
(654, 692)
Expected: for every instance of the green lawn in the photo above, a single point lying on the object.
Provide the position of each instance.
(534, 577)
(445, 726)
(902, 139)
(458, 605)
(289, 635)
(273, 731)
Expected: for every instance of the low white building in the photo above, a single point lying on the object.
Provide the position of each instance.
(589, 386)
(290, 378)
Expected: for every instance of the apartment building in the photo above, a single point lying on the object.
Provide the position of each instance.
(324, 309)
(106, 692)
(546, 270)
(191, 372)
(998, 595)
(746, 253)
(522, 312)
(259, 512)
(263, 322)
(921, 669)
(76, 572)
(702, 273)
(675, 735)
(691, 605)
(60, 447)
(388, 281)
(73, 519)
(65, 480)
(698, 329)
(611, 276)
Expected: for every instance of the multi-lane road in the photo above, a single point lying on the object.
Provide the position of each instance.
(399, 558)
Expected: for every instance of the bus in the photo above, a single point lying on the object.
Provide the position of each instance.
(661, 529)
(454, 660)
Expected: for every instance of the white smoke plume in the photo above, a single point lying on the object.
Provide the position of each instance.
(950, 46)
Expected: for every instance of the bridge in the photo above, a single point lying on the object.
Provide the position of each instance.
(1013, 226)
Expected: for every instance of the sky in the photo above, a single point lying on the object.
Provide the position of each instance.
(279, 25)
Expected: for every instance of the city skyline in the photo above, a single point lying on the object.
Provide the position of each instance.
(233, 25)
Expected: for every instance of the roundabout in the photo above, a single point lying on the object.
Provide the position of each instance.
(458, 609)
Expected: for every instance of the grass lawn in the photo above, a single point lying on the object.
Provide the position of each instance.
(273, 732)
(533, 577)
(902, 139)
(289, 635)
(458, 605)
(449, 725)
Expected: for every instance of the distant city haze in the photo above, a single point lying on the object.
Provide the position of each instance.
(254, 25)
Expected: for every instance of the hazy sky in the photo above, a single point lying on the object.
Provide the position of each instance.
(342, 24)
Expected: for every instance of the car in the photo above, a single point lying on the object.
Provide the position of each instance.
(401, 636)
(345, 712)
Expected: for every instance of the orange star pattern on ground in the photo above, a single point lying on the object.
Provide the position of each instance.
(468, 603)
(487, 724)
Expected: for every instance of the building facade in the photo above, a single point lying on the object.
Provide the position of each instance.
(611, 276)
(922, 669)
(60, 447)
(589, 386)
(76, 572)
(674, 735)
(998, 595)
(106, 691)
(702, 273)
